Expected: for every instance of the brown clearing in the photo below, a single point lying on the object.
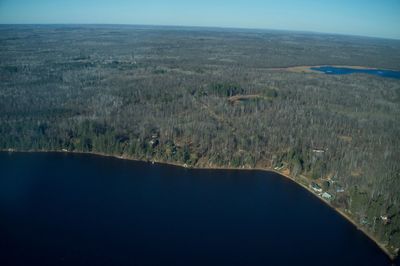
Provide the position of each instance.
(237, 98)
(346, 138)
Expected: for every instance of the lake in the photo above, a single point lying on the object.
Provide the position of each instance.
(70, 209)
(331, 70)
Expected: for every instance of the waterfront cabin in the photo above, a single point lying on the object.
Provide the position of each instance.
(153, 143)
(385, 219)
(326, 196)
(316, 187)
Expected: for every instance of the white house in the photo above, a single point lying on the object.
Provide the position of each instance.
(326, 195)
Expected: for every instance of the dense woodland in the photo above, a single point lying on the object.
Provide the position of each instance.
(213, 97)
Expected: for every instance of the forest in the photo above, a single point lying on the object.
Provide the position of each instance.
(209, 97)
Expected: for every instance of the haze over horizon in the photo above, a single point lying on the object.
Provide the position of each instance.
(366, 18)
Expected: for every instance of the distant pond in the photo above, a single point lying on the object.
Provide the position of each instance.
(331, 70)
(70, 209)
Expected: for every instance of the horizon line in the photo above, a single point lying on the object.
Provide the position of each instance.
(206, 27)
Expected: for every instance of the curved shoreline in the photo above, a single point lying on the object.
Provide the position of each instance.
(339, 211)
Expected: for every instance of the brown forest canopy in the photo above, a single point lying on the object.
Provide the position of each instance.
(212, 97)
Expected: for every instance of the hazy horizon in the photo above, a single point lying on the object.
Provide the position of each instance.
(361, 18)
(197, 27)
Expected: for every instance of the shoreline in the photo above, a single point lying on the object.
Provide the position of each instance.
(391, 256)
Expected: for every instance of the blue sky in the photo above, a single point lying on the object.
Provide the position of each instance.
(380, 18)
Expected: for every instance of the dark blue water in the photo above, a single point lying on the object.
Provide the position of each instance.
(59, 209)
(344, 70)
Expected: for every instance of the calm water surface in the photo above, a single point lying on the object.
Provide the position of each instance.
(330, 70)
(58, 209)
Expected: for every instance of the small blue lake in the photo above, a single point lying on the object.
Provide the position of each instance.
(330, 70)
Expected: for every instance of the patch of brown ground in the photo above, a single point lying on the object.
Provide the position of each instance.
(356, 172)
(237, 98)
(345, 138)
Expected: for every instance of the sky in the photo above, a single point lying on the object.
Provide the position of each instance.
(376, 18)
